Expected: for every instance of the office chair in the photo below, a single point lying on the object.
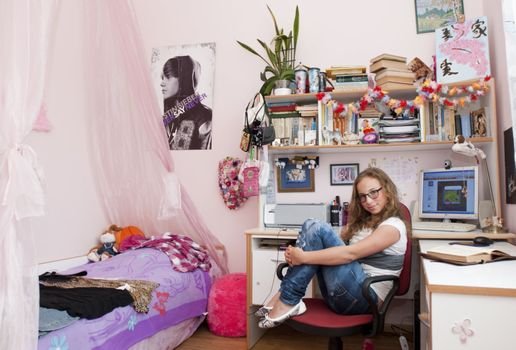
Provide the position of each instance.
(319, 319)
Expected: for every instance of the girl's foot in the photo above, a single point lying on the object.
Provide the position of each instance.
(269, 322)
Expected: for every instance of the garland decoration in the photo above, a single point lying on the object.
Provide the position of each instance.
(311, 162)
(428, 91)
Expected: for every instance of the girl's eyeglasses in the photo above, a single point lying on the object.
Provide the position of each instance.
(373, 194)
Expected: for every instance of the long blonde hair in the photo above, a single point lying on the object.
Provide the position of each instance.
(360, 218)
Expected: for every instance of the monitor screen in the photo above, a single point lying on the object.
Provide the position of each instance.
(449, 193)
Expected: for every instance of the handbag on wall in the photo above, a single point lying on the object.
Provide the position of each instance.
(255, 124)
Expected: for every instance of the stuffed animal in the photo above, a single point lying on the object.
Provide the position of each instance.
(106, 250)
(122, 233)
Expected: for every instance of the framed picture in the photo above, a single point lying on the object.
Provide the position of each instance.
(292, 179)
(343, 174)
(432, 14)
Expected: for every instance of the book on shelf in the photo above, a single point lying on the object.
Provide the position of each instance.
(395, 73)
(387, 64)
(388, 56)
(350, 85)
(395, 86)
(466, 255)
(285, 108)
(345, 70)
(350, 78)
(396, 80)
(465, 125)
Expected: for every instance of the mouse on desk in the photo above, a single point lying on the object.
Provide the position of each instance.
(479, 241)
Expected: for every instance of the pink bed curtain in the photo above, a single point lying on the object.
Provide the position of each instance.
(25, 31)
(129, 150)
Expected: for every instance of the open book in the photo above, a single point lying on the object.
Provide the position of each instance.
(466, 255)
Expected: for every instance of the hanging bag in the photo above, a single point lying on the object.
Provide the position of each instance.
(255, 124)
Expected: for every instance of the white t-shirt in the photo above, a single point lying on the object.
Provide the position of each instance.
(387, 262)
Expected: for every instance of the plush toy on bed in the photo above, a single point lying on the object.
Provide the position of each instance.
(106, 250)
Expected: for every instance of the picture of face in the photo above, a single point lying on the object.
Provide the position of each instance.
(169, 86)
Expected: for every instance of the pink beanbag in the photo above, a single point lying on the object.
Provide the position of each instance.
(226, 306)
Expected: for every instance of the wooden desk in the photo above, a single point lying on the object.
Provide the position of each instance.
(483, 295)
(420, 234)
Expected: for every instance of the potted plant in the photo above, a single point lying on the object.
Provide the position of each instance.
(280, 55)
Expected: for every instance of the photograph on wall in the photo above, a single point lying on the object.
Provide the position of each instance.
(462, 51)
(343, 174)
(295, 178)
(431, 14)
(183, 77)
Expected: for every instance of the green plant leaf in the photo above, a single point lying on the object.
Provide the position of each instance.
(296, 29)
(272, 57)
(274, 20)
(251, 50)
(268, 85)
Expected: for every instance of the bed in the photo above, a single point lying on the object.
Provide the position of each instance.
(177, 308)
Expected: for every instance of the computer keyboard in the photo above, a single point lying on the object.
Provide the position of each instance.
(442, 226)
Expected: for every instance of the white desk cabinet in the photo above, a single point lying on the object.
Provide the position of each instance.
(262, 282)
(468, 307)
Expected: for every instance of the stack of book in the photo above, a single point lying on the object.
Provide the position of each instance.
(391, 71)
(294, 125)
(394, 129)
(443, 123)
(348, 77)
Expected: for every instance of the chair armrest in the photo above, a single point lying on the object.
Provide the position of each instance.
(379, 313)
(279, 270)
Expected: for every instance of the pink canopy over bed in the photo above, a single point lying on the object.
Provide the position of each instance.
(129, 151)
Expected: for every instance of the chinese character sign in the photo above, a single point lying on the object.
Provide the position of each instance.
(462, 51)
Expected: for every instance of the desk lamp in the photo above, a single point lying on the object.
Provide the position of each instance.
(460, 145)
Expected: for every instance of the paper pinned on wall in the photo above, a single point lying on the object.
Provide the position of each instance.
(270, 192)
(462, 51)
(402, 170)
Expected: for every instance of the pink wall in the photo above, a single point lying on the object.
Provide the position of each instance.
(362, 30)
(499, 69)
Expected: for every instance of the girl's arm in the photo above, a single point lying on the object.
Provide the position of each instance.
(381, 238)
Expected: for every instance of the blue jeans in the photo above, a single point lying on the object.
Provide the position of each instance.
(341, 285)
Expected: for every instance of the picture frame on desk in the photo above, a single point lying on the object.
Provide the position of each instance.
(432, 15)
(294, 179)
(343, 174)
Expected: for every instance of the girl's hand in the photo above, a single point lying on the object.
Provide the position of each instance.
(294, 255)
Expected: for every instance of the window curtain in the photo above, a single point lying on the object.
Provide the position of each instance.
(25, 28)
(129, 150)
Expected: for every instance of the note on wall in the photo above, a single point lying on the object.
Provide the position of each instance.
(462, 51)
(404, 172)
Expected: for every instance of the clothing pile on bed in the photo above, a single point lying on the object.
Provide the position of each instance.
(70, 297)
(66, 298)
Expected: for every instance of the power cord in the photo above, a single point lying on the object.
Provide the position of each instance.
(278, 250)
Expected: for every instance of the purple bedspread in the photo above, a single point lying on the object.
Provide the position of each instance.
(180, 296)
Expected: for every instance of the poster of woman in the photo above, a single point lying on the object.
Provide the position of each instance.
(184, 79)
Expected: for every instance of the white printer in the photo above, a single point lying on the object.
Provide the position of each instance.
(292, 215)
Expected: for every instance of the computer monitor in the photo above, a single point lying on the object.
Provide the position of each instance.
(449, 193)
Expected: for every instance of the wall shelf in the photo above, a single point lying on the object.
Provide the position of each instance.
(341, 94)
(375, 147)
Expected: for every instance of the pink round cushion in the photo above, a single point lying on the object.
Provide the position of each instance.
(226, 306)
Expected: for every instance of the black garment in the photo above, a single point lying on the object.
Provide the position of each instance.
(87, 303)
(190, 129)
